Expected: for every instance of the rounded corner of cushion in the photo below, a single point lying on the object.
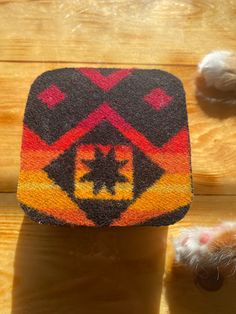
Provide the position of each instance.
(43, 77)
(172, 78)
(94, 157)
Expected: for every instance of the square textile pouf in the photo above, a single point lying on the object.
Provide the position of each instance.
(105, 147)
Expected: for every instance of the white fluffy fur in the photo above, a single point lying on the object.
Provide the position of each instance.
(191, 252)
(219, 70)
(212, 66)
(197, 255)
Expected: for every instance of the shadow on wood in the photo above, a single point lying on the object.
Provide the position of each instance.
(82, 270)
(183, 296)
(215, 103)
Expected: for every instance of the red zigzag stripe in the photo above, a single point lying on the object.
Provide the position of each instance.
(105, 82)
(177, 144)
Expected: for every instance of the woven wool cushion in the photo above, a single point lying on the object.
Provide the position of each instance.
(105, 147)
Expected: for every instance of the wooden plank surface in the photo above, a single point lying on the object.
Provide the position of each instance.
(121, 31)
(213, 130)
(46, 269)
(59, 270)
(171, 35)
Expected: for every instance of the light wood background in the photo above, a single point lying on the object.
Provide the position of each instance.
(58, 270)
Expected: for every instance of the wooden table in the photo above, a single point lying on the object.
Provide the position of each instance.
(59, 270)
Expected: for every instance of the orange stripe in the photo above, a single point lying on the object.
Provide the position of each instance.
(36, 160)
(128, 218)
(51, 200)
(137, 217)
(172, 163)
(170, 192)
(134, 216)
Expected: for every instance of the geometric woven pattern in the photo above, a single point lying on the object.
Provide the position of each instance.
(105, 147)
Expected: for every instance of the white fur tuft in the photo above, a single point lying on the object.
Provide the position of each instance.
(204, 248)
(219, 70)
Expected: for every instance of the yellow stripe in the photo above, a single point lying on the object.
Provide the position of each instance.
(155, 199)
(124, 191)
(44, 194)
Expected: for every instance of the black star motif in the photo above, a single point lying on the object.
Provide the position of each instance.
(104, 171)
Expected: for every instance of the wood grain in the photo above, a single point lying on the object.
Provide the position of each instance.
(171, 35)
(213, 130)
(121, 31)
(59, 270)
(47, 269)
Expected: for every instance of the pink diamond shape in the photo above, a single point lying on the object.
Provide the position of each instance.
(158, 98)
(51, 96)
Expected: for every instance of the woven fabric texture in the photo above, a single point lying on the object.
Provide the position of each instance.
(105, 147)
